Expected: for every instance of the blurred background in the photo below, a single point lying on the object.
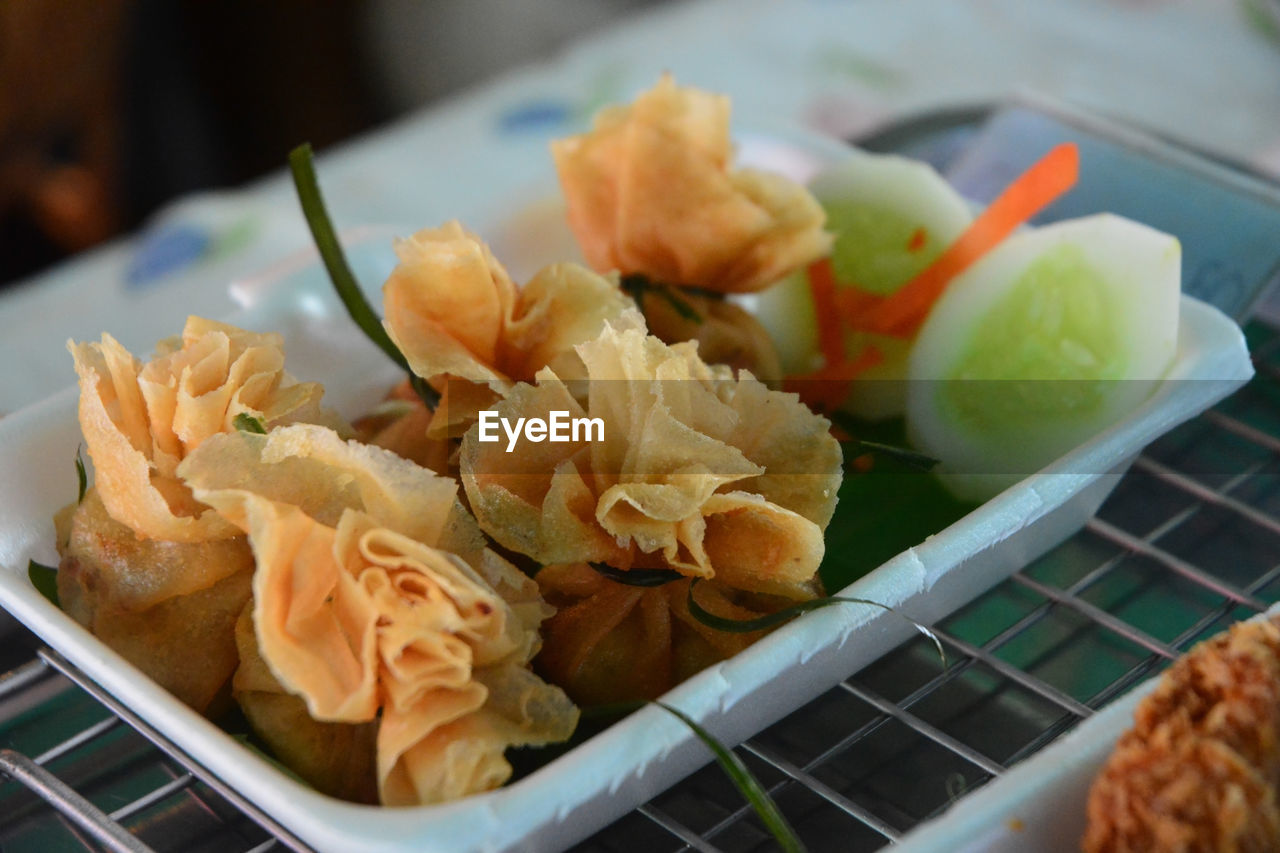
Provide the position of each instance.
(109, 108)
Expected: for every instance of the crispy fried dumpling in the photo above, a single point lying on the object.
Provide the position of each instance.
(725, 332)
(454, 312)
(141, 420)
(609, 642)
(155, 601)
(337, 759)
(400, 424)
(146, 567)
(698, 473)
(375, 599)
(651, 190)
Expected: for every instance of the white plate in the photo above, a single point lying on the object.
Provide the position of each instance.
(641, 756)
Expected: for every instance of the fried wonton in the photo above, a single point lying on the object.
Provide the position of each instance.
(146, 567)
(454, 312)
(141, 420)
(725, 332)
(400, 424)
(609, 642)
(338, 759)
(169, 608)
(699, 473)
(651, 190)
(375, 598)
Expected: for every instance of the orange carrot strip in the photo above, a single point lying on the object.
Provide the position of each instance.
(854, 303)
(919, 238)
(826, 388)
(822, 285)
(864, 463)
(904, 311)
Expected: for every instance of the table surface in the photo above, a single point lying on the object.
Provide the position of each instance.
(1202, 71)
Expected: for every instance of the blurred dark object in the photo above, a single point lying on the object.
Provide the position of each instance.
(111, 107)
(220, 92)
(59, 127)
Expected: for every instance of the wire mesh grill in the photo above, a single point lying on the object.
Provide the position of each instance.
(1188, 543)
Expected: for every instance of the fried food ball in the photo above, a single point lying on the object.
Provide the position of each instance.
(1199, 769)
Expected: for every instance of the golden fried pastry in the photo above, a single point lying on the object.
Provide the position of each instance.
(651, 190)
(375, 599)
(725, 332)
(169, 608)
(141, 420)
(697, 473)
(609, 642)
(146, 567)
(400, 424)
(454, 312)
(338, 759)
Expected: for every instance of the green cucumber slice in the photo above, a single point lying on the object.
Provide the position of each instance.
(891, 216)
(1054, 336)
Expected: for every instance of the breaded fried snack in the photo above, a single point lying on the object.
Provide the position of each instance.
(1198, 771)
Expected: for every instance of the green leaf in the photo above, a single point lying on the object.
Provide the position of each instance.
(302, 165)
(81, 476)
(637, 577)
(246, 422)
(45, 580)
(746, 626)
(751, 789)
(747, 784)
(884, 511)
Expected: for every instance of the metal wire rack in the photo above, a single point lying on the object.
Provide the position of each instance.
(1188, 543)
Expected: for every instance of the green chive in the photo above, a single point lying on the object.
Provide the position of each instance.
(905, 455)
(246, 422)
(747, 784)
(637, 285)
(302, 165)
(45, 580)
(746, 626)
(81, 476)
(637, 577)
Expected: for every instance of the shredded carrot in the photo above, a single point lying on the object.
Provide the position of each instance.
(902, 313)
(826, 388)
(853, 302)
(822, 285)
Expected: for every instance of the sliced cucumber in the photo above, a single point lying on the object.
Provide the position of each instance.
(1055, 335)
(891, 217)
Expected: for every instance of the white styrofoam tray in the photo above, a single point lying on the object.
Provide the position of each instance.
(633, 760)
